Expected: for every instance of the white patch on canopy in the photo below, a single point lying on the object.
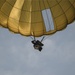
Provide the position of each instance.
(48, 19)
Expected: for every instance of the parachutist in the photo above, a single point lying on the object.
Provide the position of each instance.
(37, 45)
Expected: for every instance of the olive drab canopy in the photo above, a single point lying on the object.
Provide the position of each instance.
(32, 17)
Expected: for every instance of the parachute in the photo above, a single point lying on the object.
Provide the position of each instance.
(36, 17)
(32, 17)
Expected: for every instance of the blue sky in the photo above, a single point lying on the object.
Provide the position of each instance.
(18, 57)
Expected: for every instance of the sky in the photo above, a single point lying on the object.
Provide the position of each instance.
(18, 57)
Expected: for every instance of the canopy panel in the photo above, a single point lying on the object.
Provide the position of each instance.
(26, 17)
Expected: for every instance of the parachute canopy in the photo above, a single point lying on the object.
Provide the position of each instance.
(36, 17)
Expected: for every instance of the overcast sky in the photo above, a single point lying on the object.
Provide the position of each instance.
(18, 57)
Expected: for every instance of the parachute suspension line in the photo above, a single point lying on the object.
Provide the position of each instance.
(42, 38)
(34, 38)
(31, 38)
(46, 37)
